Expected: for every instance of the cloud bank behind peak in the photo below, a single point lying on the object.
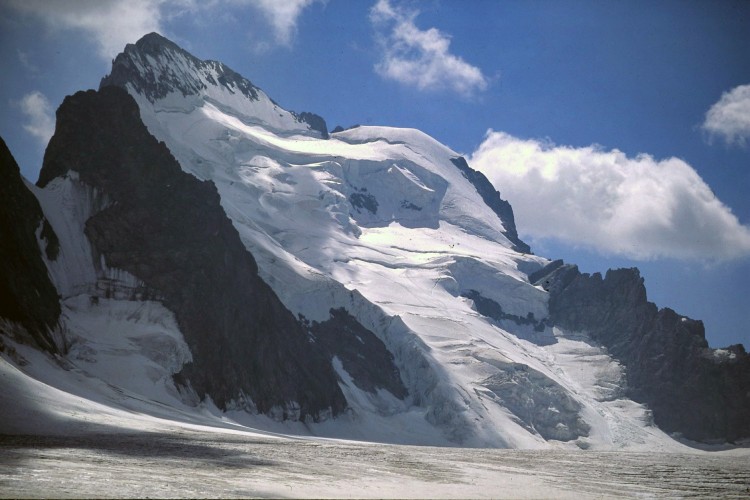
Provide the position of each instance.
(640, 208)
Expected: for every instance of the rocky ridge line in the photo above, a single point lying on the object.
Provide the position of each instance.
(701, 393)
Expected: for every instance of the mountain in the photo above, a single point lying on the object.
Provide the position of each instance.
(167, 229)
(172, 79)
(218, 255)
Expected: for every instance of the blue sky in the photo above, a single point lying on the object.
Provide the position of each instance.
(619, 131)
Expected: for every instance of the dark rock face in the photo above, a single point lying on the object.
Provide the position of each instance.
(700, 392)
(156, 82)
(169, 230)
(27, 296)
(362, 354)
(493, 200)
(410, 206)
(316, 122)
(491, 309)
(365, 201)
(537, 333)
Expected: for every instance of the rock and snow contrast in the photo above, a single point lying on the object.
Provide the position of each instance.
(220, 261)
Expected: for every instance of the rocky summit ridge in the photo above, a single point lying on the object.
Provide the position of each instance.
(155, 68)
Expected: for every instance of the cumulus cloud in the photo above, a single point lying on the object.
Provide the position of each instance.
(39, 115)
(639, 207)
(420, 58)
(730, 117)
(111, 24)
(282, 15)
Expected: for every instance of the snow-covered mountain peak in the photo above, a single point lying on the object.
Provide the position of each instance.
(154, 67)
(371, 281)
(385, 174)
(159, 73)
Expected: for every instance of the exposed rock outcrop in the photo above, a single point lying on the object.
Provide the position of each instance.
(169, 230)
(363, 355)
(128, 67)
(27, 296)
(700, 392)
(493, 200)
(316, 122)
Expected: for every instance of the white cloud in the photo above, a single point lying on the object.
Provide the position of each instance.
(39, 114)
(420, 58)
(730, 117)
(283, 15)
(25, 60)
(639, 207)
(111, 24)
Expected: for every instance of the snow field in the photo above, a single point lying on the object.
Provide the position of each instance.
(191, 464)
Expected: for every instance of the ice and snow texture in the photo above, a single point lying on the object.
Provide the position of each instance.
(192, 465)
(379, 221)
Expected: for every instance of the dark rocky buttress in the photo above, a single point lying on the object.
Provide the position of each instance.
(700, 392)
(169, 230)
(27, 296)
(362, 354)
(316, 122)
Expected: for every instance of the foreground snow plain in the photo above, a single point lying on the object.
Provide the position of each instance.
(97, 441)
(200, 465)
